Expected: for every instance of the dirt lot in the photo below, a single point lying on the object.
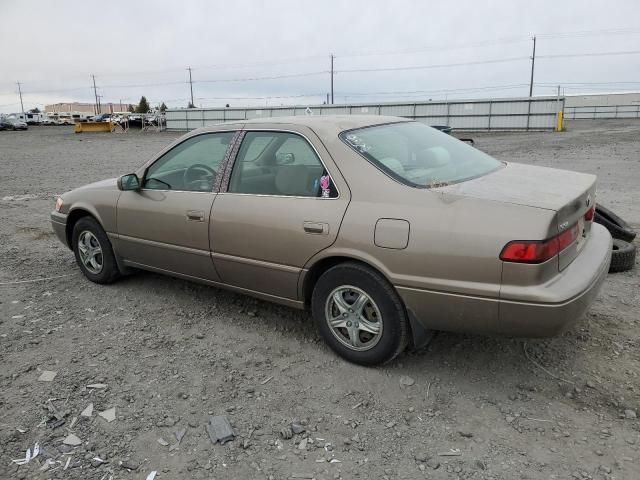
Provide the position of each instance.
(171, 353)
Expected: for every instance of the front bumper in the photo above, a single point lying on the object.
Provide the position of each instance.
(528, 311)
(59, 225)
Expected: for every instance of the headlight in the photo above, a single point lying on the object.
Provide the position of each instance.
(59, 204)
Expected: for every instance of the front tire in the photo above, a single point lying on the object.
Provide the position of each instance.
(359, 314)
(93, 251)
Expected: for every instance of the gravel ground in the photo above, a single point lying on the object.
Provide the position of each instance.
(170, 353)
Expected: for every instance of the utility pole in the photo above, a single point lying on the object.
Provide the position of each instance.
(533, 64)
(20, 92)
(191, 86)
(95, 92)
(331, 79)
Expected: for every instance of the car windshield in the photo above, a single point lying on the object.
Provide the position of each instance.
(418, 155)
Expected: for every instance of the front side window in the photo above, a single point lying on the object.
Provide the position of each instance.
(191, 166)
(418, 155)
(279, 163)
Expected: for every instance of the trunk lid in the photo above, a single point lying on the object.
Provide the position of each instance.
(569, 194)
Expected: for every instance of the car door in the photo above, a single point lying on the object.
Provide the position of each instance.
(283, 203)
(165, 224)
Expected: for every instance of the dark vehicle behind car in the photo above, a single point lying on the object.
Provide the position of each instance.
(12, 124)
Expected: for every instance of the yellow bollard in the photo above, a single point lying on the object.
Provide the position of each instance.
(560, 122)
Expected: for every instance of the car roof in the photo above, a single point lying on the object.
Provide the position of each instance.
(336, 123)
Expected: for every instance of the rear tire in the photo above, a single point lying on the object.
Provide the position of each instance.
(359, 314)
(623, 257)
(93, 251)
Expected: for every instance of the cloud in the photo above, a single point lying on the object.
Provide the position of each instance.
(144, 47)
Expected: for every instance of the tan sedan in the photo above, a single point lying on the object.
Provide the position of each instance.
(385, 228)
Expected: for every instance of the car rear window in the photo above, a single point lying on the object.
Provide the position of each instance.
(418, 155)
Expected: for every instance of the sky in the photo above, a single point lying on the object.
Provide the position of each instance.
(278, 52)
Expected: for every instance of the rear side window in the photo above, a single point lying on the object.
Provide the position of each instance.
(279, 163)
(418, 155)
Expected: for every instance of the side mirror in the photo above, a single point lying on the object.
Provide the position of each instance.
(129, 182)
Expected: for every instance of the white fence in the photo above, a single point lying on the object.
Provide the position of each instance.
(590, 112)
(537, 113)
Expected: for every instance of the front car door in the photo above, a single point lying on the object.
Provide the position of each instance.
(165, 224)
(283, 203)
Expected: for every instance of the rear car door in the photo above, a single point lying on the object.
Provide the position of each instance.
(283, 203)
(165, 224)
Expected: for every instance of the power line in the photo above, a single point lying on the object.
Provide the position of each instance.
(498, 41)
(272, 77)
(631, 89)
(448, 90)
(596, 54)
(274, 62)
(588, 33)
(287, 61)
(306, 95)
(553, 84)
(140, 85)
(424, 67)
(442, 47)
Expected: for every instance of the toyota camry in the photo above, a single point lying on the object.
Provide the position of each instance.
(384, 228)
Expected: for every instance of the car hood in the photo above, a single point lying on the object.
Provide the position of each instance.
(109, 184)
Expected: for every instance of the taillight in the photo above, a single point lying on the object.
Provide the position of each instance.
(59, 204)
(590, 214)
(538, 251)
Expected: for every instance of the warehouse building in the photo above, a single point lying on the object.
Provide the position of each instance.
(89, 108)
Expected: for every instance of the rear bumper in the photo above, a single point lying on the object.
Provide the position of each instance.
(563, 300)
(534, 311)
(59, 225)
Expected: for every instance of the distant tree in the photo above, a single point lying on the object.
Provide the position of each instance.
(163, 107)
(191, 105)
(34, 110)
(132, 109)
(143, 106)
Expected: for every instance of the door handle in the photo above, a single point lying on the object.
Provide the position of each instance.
(316, 228)
(195, 215)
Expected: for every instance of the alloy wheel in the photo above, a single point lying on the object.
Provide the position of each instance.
(90, 252)
(353, 318)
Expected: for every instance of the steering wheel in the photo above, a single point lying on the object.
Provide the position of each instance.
(189, 179)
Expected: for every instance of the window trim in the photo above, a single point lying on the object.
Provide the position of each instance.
(222, 162)
(233, 161)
